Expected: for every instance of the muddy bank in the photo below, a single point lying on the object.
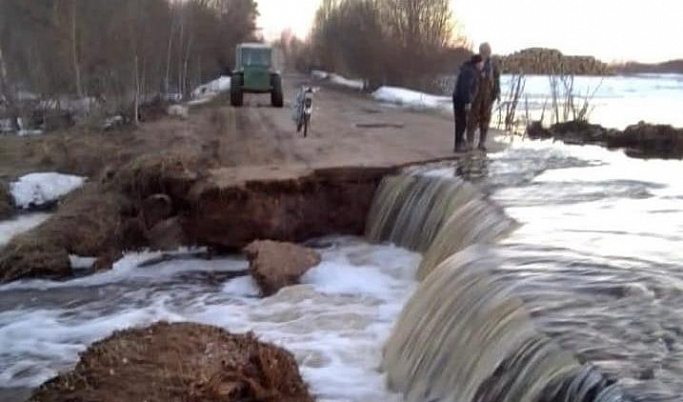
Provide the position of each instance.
(88, 224)
(162, 203)
(236, 206)
(6, 204)
(641, 140)
(103, 219)
(179, 362)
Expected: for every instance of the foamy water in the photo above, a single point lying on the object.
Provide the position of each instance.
(335, 322)
(597, 258)
(597, 261)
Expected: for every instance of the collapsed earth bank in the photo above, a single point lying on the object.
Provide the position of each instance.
(165, 202)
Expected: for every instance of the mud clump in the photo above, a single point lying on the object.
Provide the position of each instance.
(26, 257)
(275, 265)
(6, 202)
(158, 176)
(179, 362)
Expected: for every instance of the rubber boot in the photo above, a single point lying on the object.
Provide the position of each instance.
(483, 133)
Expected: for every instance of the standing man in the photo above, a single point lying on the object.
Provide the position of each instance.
(488, 92)
(463, 96)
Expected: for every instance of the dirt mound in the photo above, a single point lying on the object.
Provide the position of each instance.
(27, 257)
(275, 265)
(179, 362)
(172, 174)
(6, 204)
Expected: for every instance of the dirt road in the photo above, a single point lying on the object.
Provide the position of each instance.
(348, 129)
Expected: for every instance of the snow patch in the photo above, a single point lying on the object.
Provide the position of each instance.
(336, 79)
(6, 126)
(413, 99)
(320, 75)
(347, 83)
(39, 189)
(78, 262)
(211, 89)
(179, 111)
(112, 122)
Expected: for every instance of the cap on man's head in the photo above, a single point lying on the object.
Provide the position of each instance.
(476, 59)
(485, 49)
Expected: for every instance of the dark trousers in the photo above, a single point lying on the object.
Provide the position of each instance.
(460, 124)
(479, 118)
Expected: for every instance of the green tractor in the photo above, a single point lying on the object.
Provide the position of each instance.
(254, 73)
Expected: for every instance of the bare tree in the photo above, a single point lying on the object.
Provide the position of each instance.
(388, 41)
(122, 53)
(74, 49)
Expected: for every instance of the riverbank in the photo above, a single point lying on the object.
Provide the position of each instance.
(244, 169)
(639, 141)
(337, 319)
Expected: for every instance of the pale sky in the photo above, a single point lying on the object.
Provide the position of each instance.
(613, 30)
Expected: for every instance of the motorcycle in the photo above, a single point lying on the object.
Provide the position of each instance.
(304, 109)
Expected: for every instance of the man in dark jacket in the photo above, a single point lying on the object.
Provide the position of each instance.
(488, 91)
(463, 96)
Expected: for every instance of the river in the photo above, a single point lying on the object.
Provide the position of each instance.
(595, 260)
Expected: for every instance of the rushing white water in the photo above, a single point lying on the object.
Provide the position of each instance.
(335, 322)
(597, 258)
(599, 251)
(596, 263)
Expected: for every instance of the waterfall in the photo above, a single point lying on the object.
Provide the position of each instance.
(464, 335)
(420, 212)
(475, 222)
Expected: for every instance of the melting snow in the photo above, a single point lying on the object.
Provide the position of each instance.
(410, 98)
(39, 189)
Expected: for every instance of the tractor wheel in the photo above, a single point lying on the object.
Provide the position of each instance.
(276, 96)
(236, 95)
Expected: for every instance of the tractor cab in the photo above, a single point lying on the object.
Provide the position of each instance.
(254, 73)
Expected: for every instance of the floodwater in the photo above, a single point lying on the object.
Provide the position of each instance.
(595, 260)
(614, 101)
